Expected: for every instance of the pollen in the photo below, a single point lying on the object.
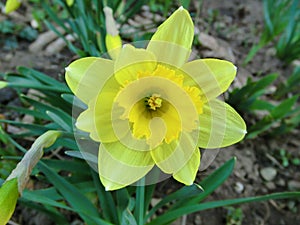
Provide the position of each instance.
(153, 102)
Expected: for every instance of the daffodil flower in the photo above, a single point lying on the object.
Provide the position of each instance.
(152, 106)
(12, 5)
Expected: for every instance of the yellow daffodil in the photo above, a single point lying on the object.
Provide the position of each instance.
(70, 2)
(12, 5)
(151, 106)
(113, 40)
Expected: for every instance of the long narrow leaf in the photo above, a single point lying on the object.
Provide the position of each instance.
(74, 197)
(170, 216)
(106, 201)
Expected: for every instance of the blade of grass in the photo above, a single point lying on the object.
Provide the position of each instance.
(72, 195)
(105, 200)
(192, 194)
(172, 215)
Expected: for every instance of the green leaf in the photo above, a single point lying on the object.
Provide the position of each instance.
(261, 105)
(44, 199)
(213, 181)
(30, 112)
(182, 194)
(262, 84)
(72, 195)
(283, 108)
(105, 200)
(74, 166)
(41, 77)
(127, 218)
(125, 205)
(50, 211)
(34, 128)
(61, 118)
(170, 216)
(8, 199)
(60, 121)
(74, 100)
(193, 194)
(185, 3)
(260, 127)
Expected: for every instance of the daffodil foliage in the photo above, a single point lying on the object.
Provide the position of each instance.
(152, 106)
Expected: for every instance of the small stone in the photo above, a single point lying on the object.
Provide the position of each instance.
(197, 220)
(294, 185)
(8, 57)
(268, 173)
(270, 185)
(239, 187)
(280, 182)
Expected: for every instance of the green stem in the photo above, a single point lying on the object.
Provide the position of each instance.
(140, 201)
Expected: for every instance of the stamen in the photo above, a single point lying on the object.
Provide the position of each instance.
(153, 102)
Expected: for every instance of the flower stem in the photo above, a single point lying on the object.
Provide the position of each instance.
(140, 201)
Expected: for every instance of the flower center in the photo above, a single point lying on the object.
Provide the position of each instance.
(153, 102)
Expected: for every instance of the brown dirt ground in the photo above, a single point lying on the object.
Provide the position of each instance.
(235, 27)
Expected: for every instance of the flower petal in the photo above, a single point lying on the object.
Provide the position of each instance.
(172, 41)
(132, 61)
(171, 93)
(97, 118)
(86, 76)
(86, 122)
(114, 174)
(172, 157)
(188, 173)
(126, 155)
(140, 117)
(220, 125)
(213, 76)
(12, 5)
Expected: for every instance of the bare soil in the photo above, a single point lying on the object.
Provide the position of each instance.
(235, 25)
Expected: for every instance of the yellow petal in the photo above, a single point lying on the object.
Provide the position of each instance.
(113, 45)
(170, 91)
(110, 185)
(132, 61)
(220, 125)
(86, 121)
(86, 76)
(107, 118)
(172, 41)
(97, 119)
(172, 121)
(212, 76)
(115, 174)
(3, 84)
(188, 173)
(170, 158)
(70, 2)
(126, 155)
(8, 199)
(12, 5)
(140, 117)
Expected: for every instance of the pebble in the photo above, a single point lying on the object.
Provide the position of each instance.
(239, 187)
(280, 182)
(8, 57)
(197, 220)
(294, 185)
(268, 173)
(270, 185)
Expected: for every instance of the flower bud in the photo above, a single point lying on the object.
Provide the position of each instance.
(12, 5)
(113, 40)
